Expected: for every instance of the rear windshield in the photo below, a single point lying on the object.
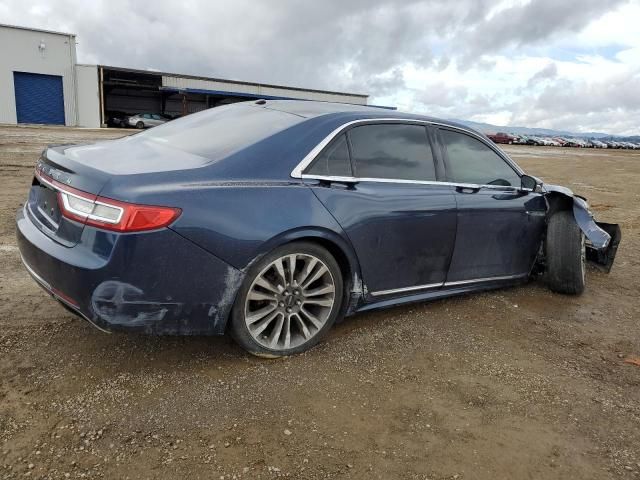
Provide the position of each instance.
(220, 131)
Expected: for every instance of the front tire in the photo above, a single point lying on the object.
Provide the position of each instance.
(140, 125)
(565, 254)
(289, 300)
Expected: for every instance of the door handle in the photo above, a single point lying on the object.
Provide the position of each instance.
(467, 189)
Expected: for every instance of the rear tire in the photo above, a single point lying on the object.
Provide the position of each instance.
(282, 310)
(140, 125)
(565, 254)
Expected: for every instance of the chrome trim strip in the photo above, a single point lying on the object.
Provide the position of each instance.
(306, 161)
(46, 215)
(36, 277)
(446, 284)
(406, 289)
(486, 279)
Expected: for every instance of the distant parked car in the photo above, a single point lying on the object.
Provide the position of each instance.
(117, 118)
(502, 137)
(146, 120)
(532, 140)
(572, 142)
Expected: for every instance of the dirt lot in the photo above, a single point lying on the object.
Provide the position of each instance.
(517, 383)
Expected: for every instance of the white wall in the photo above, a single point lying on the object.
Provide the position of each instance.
(88, 96)
(19, 52)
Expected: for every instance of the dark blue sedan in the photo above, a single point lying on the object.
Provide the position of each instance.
(273, 219)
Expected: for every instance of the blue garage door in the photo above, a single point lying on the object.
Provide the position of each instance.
(39, 98)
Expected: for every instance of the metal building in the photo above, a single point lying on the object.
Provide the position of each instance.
(37, 76)
(40, 82)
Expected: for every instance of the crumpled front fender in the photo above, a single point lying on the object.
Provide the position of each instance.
(603, 238)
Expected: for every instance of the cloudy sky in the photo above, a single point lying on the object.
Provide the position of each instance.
(564, 64)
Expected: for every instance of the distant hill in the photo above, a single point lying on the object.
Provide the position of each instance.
(544, 132)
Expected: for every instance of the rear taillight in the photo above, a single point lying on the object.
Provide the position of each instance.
(107, 213)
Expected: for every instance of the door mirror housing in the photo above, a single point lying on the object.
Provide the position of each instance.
(527, 182)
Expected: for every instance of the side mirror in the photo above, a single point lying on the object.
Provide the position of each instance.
(530, 183)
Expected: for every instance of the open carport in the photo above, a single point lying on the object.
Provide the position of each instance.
(130, 91)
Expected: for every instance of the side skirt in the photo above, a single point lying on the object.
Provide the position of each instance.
(443, 292)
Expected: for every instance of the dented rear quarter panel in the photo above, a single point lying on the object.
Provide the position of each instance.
(130, 282)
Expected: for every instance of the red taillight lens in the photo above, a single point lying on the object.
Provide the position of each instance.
(107, 213)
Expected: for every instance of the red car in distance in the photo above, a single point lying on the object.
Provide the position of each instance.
(502, 137)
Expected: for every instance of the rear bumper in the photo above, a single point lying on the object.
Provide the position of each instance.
(154, 282)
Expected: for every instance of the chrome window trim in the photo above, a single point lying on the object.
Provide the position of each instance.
(315, 151)
(504, 188)
(406, 289)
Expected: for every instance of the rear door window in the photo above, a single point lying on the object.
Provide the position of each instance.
(333, 161)
(392, 152)
(471, 161)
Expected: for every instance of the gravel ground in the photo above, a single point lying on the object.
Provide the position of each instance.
(516, 383)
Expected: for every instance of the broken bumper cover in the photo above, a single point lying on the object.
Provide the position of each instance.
(603, 257)
(602, 238)
(156, 282)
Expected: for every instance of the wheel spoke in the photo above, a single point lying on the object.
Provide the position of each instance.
(280, 269)
(257, 296)
(305, 331)
(323, 302)
(260, 327)
(277, 330)
(312, 318)
(319, 291)
(260, 314)
(307, 270)
(287, 332)
(292, 268)
(320, 271)
(267, 285)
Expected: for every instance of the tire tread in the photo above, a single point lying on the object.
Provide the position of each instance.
(564, 254)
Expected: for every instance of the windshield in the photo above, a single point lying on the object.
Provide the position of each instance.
(220, 131)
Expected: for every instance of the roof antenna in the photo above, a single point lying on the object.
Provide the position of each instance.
(262, 101)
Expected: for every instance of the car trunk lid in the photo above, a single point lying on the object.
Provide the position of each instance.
(86, 169)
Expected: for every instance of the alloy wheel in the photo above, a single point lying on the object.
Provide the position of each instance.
(289, 301)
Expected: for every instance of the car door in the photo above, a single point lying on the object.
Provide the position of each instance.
(379, 181)
(156, 120)
(500, 225)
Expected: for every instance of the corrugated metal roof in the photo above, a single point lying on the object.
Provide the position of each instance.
(232, 82)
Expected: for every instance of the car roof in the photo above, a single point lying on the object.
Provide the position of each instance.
(312, 109)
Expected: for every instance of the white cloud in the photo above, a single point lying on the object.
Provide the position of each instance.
(541, 63)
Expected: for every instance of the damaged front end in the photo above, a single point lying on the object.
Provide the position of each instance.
(602, 239)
